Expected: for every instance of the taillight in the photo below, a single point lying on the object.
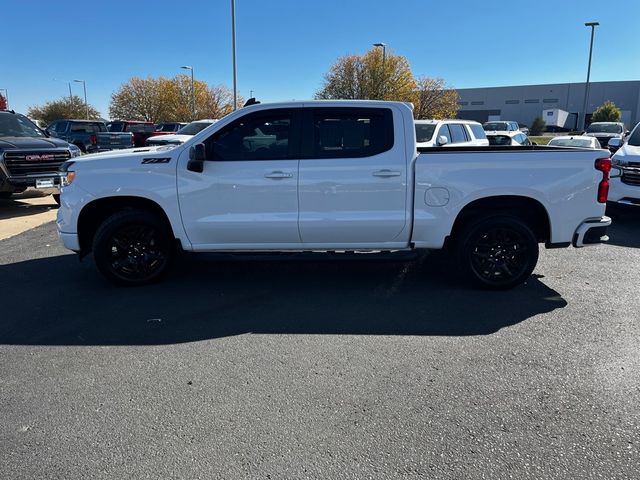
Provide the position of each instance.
(93, 139)
(603, 165)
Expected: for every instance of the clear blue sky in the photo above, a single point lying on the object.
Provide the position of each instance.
(285, 46)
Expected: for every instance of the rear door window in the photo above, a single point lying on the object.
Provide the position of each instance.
(457, 133)
(478, 131)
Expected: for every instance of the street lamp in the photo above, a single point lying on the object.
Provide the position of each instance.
(384, 52)
(233, 51)
(193, 93)
(69, 84)
(84, 86)
(593, 26)
(6, 96)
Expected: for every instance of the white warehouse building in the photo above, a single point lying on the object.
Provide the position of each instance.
(558, 103)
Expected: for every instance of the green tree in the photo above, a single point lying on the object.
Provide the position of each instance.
(368, 77)
(66, 107)
(433, 99)
(607, 112)
(537, 127)
(164, 99)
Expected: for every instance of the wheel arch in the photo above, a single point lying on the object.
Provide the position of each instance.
(528, 209)
(96, 212)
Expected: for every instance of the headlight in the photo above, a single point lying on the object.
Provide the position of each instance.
(66, 176)
(74, 150)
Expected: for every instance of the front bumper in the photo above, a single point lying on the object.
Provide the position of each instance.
(70, 241)
(591, 232)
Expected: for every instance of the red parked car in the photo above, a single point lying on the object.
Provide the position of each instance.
(140, 130)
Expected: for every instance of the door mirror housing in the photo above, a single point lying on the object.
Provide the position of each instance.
(197, 156)
(50, 133)
(442, 140)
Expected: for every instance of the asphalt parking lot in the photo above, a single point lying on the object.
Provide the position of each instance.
(320, 370)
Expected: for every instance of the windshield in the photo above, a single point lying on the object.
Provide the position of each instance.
(571, 142)
(12, 125)
(424, 132)
(634, 139)
(604, 128)
(115, 127)
(491, 126)
(193, 128)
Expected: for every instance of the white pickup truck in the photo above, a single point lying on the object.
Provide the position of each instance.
(330, 176)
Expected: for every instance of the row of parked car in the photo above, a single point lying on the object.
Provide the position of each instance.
(92, 136)
(440, 133)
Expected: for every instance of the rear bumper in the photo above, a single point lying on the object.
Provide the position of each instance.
(591, 232)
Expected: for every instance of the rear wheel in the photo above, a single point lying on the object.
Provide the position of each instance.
(497, 252)
(133, 247)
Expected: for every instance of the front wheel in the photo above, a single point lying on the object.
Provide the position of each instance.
(497, 252)
(133, 247)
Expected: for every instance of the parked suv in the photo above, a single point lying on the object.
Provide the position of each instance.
(28, 158)
(438, 133)
(90, 136)
(605, 131)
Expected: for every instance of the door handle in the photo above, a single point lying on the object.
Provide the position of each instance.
(387, 173)
(278, 175)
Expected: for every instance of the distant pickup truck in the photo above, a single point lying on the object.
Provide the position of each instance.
(140, 130)
(341, 177)
(90, 136)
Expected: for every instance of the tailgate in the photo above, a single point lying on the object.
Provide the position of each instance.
(112, 140)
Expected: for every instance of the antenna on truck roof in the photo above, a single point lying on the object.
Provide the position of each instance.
(251, 101)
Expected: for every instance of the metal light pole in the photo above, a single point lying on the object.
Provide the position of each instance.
(593, 26)
(233, 43)
(384, 54)
(6, 96)
(84, 86)
(69, 84)
(193, 94)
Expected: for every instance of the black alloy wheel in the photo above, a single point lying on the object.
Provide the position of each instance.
(498, 252)
(132, 248)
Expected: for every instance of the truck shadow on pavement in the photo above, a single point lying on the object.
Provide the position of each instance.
(13, 208)
(59, 301)
(625, 228)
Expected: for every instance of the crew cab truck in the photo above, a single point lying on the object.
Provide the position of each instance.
(330, 176)
(90, 136)
(140, 130)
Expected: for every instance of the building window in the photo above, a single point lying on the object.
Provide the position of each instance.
(532, 100)
(477, 103)
(512, 102)
(550, 100)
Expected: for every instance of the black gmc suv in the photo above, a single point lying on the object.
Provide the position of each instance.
(28, 157)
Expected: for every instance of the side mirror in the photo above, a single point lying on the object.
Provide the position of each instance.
(626, 133)
(197, 156)
(615, 143)
(50, 133)
(442, 140)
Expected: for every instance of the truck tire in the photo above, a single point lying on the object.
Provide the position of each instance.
(497, 252)
(133, 247)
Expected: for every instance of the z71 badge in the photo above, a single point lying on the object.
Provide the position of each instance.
(156, 160)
